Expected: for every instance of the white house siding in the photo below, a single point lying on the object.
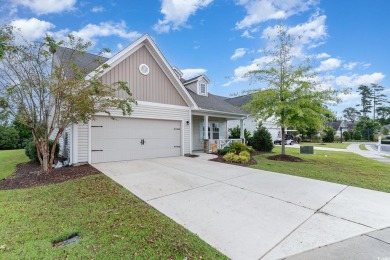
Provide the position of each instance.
(142, 110)
(64, 149)
(250, 124)
(82, 143)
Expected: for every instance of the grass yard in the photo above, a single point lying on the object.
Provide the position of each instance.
(112, 224)
(328, 145)
(363, 147)
(8, 161)
(339, 167)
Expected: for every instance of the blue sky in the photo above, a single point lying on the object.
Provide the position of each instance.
(347, 41)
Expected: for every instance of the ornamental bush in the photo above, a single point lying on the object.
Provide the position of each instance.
(31, 150)
(357, 135)
(9, 138)
(346, 136)
(328, 136)
(242, 157)
(262, 139)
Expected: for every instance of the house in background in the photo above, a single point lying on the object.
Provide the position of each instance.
(250, 123)
(338, 124)
(173, 117)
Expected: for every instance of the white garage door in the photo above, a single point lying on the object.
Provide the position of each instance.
(130, 139)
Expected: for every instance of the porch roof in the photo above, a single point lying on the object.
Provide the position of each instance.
(215, 104)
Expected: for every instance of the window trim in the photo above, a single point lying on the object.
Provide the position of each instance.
(205, 93)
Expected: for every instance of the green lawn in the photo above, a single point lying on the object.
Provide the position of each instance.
(8, 161)
(338, 167)
(112, 223)
(329, 145)
(363, 147)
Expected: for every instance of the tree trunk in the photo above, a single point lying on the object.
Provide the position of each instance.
(283, 141)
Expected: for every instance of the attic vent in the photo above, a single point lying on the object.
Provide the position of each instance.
(144, 69)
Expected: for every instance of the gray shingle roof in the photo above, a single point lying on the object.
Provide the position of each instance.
(215, 103)
(83, 60)
(239, 101)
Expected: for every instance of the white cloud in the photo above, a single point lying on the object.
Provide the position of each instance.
(91, 32)
(309, 35)
(322, 56)
(238, 53)
(176, 13)
(241, 71)
(97, 9)
(119, 46)
(32, 29)
(263, 10)
(329, 64)
(47, 6)
(350, 65)
(190, 73)
(246, 34)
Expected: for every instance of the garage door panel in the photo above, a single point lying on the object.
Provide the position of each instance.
(119, 140)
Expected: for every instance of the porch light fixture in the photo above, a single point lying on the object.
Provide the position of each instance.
(188, 122)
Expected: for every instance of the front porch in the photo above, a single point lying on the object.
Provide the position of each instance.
(217, 133)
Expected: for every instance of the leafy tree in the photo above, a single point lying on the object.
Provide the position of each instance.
(292, 97)
(366, 96)
(351, 114)
(367, 127)
(48, 96)
(24, 132)
(235, 133)
(357, 135)
(9, 138)
(383, 114)
(378, 98)
(328, 136)
(262, 139)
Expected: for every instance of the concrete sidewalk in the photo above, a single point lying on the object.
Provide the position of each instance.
(373, 245)
(368, 154)
(252, 214)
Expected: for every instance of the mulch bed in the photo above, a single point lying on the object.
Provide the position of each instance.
(28, 175)
(285, 158)
(251, 161)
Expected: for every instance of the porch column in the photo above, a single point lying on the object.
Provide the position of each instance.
(206, 134)
(242, 136)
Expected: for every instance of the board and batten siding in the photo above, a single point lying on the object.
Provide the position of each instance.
(154, 87)
(146, 111)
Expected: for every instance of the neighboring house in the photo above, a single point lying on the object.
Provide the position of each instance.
(168, 121)
(337, 125)
(251, 123)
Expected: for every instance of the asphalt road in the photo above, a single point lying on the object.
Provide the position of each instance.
(384, 148)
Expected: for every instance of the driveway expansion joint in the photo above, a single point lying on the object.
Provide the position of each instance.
(367, 235)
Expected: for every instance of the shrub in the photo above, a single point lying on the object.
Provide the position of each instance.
(346, 136)
(229, 157)
(9, 138)
(262, 139)
(357, 135)
(328, 136)
(31, 150)
(337, 139)
(235, 132)
(243, 157)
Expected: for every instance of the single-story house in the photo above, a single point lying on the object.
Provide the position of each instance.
(173, 117)
(338, 124)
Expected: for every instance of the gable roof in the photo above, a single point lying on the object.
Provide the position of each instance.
(188, 81)
(215, 103)
(147, 41)
(84, 60)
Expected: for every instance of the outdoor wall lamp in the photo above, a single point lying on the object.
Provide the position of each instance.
(188, 122)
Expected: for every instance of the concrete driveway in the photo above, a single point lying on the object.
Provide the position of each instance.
(251, 214)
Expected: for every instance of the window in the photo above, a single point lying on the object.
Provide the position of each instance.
(215, 130)
(202, 88)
